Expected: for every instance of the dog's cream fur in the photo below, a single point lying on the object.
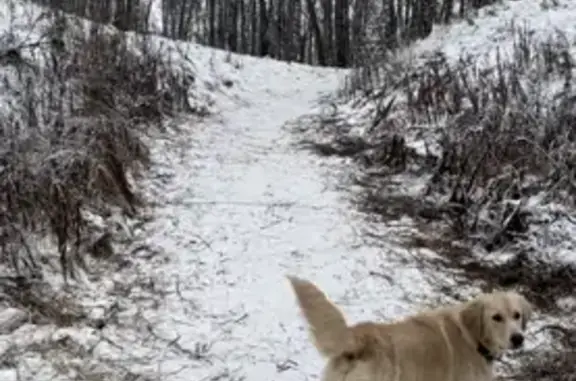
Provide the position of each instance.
(454, 343)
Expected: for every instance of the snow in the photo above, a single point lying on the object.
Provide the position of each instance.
(491, 29)
(244, 208)
(237, 207)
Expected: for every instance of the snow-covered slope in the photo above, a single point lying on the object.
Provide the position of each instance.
(493, 26)
(237, 207)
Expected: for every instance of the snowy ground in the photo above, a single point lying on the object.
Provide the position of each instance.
(237, 207)
(242, 209)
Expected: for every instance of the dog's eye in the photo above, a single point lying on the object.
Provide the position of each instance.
(516, 315)
(497, 318)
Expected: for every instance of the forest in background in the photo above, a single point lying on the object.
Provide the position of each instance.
(341, 33)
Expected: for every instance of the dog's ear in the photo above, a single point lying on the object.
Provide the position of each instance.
(527, 309)
(472, 317)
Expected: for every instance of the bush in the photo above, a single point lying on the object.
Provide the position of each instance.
(495, 138)
(81, 100)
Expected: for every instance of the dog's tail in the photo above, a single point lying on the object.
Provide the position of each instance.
(328, 328)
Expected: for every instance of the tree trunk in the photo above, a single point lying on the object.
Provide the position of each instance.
(317, 33)
(342, 33)
(328, 25)
(264, 25)
(212, 24)
(232, 26)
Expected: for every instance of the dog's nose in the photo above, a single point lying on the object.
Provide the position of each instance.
(517, 339)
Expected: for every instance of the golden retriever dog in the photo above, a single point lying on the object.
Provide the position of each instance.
(453, 343)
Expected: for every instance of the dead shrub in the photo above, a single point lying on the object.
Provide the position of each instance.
(42, 304)
(72, 141)
(513, 142)
(504, 139)
(127, 76)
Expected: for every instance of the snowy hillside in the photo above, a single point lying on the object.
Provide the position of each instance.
(196, 288)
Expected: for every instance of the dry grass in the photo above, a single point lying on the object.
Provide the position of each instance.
(72, 140)
(504, 139)
(41, 303)
(79, 102)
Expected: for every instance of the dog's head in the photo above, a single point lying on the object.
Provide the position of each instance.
(497, 321)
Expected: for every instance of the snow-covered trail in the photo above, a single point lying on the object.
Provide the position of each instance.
(240, 209)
